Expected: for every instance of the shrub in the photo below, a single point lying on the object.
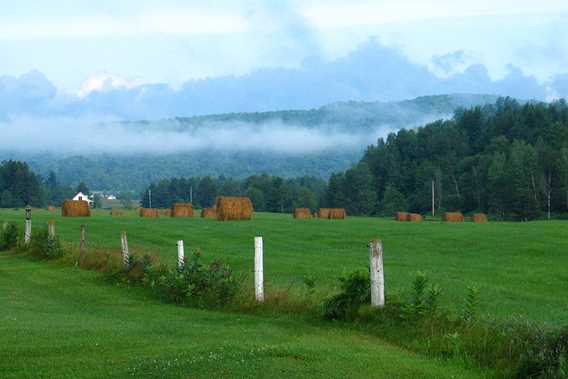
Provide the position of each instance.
(8, 236)
(356, 291)
(195, 284)
(43, 246)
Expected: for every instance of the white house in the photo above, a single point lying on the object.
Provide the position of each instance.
(83, 197)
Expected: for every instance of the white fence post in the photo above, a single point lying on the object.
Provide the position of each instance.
(28, 226)
(258, 270)
(181, 255)
(51, 229)
(377, 274)
(82, 244)
(124, 249)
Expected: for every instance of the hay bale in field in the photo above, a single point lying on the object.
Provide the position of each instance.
(114, 212)
(181, 210)
(323, 213)
(479, 218)
(337, 214)
(230, 208)
(302, 213)
(453, 217)
(51, 208)
(75, 208)
(415, 217)
(166, 212)
(149, 212)
(402, 216)
(208, 213)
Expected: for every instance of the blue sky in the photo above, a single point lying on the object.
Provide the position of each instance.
(171, 41)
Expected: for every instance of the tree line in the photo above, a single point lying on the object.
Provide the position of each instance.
(509, 159)
(20, 186)
(267, 193)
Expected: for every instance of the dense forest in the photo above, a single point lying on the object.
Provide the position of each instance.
(508, 159)
(268, 193)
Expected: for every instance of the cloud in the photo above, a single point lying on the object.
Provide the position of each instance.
(72, 136)
(372, 72)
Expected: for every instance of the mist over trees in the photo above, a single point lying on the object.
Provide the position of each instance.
(507, 159)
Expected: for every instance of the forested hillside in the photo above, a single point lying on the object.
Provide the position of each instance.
(507, 158)
(336, 137)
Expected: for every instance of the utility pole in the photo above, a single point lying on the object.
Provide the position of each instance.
(191, 194)
(150, 198)
(433, 198)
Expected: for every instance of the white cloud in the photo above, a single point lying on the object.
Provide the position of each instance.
(105, 82)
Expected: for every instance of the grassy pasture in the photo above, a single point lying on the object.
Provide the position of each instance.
(521, 268)
(61, 322)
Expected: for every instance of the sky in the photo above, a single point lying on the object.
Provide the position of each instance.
(119, 58)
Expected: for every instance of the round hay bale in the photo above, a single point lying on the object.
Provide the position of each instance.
(323, 213)
(181, 210)
(75, 208)
(415, 217)
(302, 213)
(208, 213)
(479, 218)
(115, 212)
(453, 217)
(233, 208)
(149, 212)
(337, 213)
(402, 216)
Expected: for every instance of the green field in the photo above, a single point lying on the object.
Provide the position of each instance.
(58, 321)
(521, 268)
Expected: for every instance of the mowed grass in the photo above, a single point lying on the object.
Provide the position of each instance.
(521, 268)
(63, 322)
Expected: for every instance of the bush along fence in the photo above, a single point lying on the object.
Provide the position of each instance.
(503, 348)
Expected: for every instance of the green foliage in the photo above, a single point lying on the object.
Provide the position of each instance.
(471, 305)
(19, 186)
(196, 284)
(506, 158)
(43, 246)
(393, 201)
(8, 236)
(267, 193)
(356, 291)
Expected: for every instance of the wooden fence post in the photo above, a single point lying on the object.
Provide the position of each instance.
(51, 229)
(124, 250)
(28, 226)
(377, 274)
(181, 255)
(82, 244)
(258, 270)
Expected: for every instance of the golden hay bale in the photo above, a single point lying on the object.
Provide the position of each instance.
(479, 218)
(337, 213)
(402, 216)
(453, 217)
(233, 208)
(51, 208)
(116, 212)
(415, 217)
(149, 212)
(323, 213)
(181, 210)
(208, 213)
(75, 208)
(302, 213)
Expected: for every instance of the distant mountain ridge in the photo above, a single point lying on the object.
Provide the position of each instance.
(330, 126)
